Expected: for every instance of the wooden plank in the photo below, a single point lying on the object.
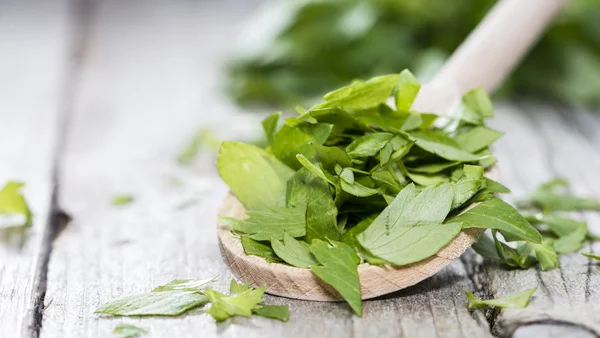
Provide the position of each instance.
(148, 82)
(33, 62)
(540, 146)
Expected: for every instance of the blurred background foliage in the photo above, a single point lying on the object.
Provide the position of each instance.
(295, 50)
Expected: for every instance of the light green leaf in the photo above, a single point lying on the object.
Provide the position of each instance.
(571, 242)
(122, 199)
(279, 312)
(406, 90)
(518, 300)
(293, 252)
(432, 168)
(475, 107)
(368, 145)
(291, 141)
(545, 254)
(257, 178)
(548, 197)
(256, 248)
(442, 146)
(128, 331)
(427, 179)
(410, 229)
(236, 288)
(193, 285)
(264, 224)
(269, 125)
(499, 215)
(361, 95)
(477, 138)
(592, 256)
(338, 269)
(357, 189)
(468, 185)
(14, 211)
(204, 138)
(166, 303)
(491, 188)
(313, 168)
(330, 156)
(242, 304)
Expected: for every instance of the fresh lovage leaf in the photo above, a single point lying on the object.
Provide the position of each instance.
(193, 285)
(330, 156)
(306, 189)
(411, 228)
(269, 125)
(498, 215)
(486, 247)
(165, 303)
(337, 267)
(475, 106)
(353, 186)
(518, 300)
(262, 225)
(256, 248)
(122, 199)
(349, 237)
(432, 168)
(290, 141)
(279, 312)
(572, 242)
(406, 90)
(14, 211)
(128, 331)
(293, 252)
(255, 177)
(518, 258)
(361, 95)
(468, 185)
(368, 145)
(241, 304)
(428, 179)
(549, 197)
(204, 138)
(477, 138)
(314, 168)
(443, 146)
(571, 233)
(592, 256)
(491, 188)
(546, 255)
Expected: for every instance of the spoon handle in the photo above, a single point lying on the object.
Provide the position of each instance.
(491, 51)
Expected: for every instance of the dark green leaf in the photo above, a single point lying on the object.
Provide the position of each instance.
(256, 248)
(477, 138)
(468, 185)
(368, 145)
(293, 252)
(291, 141)
(122, 199)
(264, 224)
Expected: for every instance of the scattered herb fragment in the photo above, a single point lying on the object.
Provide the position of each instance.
(122, 199)
(128, 331)
(14, 211)
(204, 138)
(517, 301)
(592, 256)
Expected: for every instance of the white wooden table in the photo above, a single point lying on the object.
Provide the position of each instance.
(98, 97)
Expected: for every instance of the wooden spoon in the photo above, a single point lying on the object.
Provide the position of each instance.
(483, 60)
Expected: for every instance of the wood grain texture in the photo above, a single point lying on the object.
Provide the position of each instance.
(33, 59)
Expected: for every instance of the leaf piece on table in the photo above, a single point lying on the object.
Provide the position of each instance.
(477, 138)
(240, 304)
(256, 178)
(499, 215)
(290, 141)
(14, 211)
(279, 312)
(338, 268)
(122, 199)
(165, 303)
(518, 300)
(548, 197)
(592, 256)
(193, 285)
(204, 138)
(128, 331)
(411, 228)
(293, 252)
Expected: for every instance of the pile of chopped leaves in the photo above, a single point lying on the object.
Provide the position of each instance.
(295, 50)
(361, 178)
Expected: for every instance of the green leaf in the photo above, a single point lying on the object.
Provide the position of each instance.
(309, 190)
(241, 304)
(486, 247)
(368, 145)
(128, 331)
(264, 224)
(468, 185)
(499, 215)
(269, 125)
(428, 179)
(546, 255)
(256, 248)
(547, 197)
(203, 138)
(592, 256)
(432, 168)
(14, 211)
(293, 252)
(410, 229)
(406, 90)
(257, 178)
(193, 285)
(520, 257)
(338, 268)
(475, 107)
(477, 138)
(357, 189)
(442, 146)
(491, 188)
(291, 141)
(349, 237)
(122, 199)
(279, 312)
(571, 242)
(330, 156)
(361, 95)
(518, 300)
(166, 303)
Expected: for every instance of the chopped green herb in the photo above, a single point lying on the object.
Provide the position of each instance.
(193, 285)
(592, 256)
(293, 252)
(241, 304)
(517, 301)
(260, 249)
(14, 211)
(165, 303)
(279, 312)
(128, 331)
(122, 199)
(551, 196)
